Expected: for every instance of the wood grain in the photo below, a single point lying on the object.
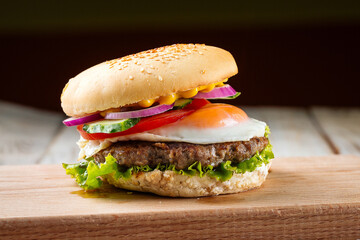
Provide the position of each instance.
(25, 133)
(341, 126)
(63, 147)
(292, 131)
(303, 198)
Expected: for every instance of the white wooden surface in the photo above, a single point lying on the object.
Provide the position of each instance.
(31, 136)
(25, 133)
(63, 147)
(342, 126)
(293, 132)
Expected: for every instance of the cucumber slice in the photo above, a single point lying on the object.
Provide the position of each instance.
(231, 97)
(110, 126)
(181, 103)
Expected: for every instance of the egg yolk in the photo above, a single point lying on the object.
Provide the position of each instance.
(214, 115)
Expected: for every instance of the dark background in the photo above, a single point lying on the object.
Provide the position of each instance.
(296, 53)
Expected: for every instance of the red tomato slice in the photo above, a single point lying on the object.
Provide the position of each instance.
(149, 123)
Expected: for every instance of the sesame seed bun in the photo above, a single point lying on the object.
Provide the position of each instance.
(146, 75)
(169, 183)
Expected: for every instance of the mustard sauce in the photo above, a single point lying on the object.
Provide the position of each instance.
(170, 99)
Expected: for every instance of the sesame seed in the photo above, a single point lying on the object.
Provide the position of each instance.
(163, 54)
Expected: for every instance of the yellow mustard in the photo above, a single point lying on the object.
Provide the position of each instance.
(170, 99)
(146, 103)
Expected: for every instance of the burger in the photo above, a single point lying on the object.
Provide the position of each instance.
(146, 124)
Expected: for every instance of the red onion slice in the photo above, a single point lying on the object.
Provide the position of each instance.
(139, 113)
(218, 92)
(81, 120)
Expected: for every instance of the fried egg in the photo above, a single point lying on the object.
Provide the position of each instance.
(213, 123)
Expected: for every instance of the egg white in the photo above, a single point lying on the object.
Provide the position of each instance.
(242, 131)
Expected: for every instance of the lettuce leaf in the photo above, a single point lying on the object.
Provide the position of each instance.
(267, 132)
(88, 173)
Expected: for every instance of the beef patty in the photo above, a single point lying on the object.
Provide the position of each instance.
(181, 154)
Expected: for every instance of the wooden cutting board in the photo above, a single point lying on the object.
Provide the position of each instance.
(303, 198)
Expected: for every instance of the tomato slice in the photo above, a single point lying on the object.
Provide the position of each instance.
(149, 123)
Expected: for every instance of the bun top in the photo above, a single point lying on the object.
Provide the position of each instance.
(146, 75)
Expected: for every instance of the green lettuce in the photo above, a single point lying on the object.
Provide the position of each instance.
(267, 132)
(88, 173)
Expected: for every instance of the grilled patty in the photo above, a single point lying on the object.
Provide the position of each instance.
(182, 155)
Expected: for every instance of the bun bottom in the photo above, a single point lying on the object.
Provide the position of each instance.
(168, 183)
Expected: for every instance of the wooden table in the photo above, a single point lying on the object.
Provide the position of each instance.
(304, 197)
(32, 136)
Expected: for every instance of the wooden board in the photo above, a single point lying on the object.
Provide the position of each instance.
(303, 198)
